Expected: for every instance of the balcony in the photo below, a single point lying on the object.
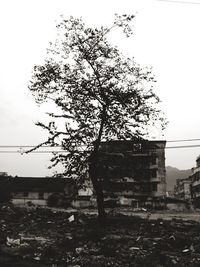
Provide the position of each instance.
(195, 170)
(195, 183)
(153, 166)
(155, 179)
(196, 194)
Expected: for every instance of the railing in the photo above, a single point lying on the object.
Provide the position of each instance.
(196, 194)
(195, 183)
(195, 170)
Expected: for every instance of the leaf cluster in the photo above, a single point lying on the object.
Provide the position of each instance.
(100, 94)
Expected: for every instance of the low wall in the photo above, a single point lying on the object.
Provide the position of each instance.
(177, 206)
(24, 202)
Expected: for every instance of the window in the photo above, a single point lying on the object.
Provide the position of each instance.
(25, 194)
(153, 173)
(41, 195)
(136, 147)
(154, 187)
(153, 160)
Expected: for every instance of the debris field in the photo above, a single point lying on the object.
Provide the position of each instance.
(43, 237)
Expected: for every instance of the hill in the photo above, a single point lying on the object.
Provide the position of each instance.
(173, 173)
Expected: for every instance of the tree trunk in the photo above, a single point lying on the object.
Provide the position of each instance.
(93, 170)
(100, 200)
(100, 205)
(97, 185)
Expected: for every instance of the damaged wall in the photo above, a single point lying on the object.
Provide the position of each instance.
(133, 169)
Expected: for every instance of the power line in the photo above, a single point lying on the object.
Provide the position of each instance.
(21, 147)
(180, 2)
(24, 146)
(184, 140)
(24, 152)
(47, 146)
(64, 151)
(171, 147)
(57, 146)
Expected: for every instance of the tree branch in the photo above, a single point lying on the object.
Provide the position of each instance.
(60, 116)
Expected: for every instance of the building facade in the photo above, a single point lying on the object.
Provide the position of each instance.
(133, 171)
(189, 188)
(182, 188)
(36, 190)
(195, 185)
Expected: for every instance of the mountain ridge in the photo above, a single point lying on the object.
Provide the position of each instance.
(173, 173)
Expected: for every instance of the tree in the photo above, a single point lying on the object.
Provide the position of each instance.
(99, 93)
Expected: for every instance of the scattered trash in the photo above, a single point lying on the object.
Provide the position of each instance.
(192, 248)
(79, 250)
(134, 248)
(56, 238)
(71, 218)
(34, 238)
(186, 250)
(172, 237)
(138, 238)
(143, 209)
(174, 261)
(12, 242)
(37, 258)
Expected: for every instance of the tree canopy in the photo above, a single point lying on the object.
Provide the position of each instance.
(100, 94)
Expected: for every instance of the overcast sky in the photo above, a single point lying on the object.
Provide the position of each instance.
(166, 37)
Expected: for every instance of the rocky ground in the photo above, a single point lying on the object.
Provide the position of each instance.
(42, 237)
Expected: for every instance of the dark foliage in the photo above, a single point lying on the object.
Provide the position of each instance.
(99, 93)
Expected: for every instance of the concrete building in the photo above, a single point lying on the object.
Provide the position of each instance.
(3, 174)
(195, 186)
(182, 188)
(133, 172)
(189, 188)
(36, 191)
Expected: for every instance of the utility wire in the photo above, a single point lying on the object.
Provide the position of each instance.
(64, 151)
(180, 2)
(183, 140)
(21, 151)
(170, 147)
(24, 146)
(38, 152)
(47, 146)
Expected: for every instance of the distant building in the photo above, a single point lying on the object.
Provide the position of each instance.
(3, 174)
(189, 188)
(133, 171)
(195, 187)
(36, 191)
(182, 188)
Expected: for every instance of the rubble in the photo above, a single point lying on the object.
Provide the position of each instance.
(71, 218)
(12, 242)
(44, 237)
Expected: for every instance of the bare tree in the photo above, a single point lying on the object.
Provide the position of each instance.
(100, 94)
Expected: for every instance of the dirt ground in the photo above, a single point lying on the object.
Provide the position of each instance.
(42, 237)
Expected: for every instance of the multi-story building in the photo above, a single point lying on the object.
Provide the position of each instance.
(182, 188)
(195, 187)
(134, 170)
(189, 188)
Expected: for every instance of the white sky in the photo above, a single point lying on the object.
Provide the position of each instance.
(166, 37)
